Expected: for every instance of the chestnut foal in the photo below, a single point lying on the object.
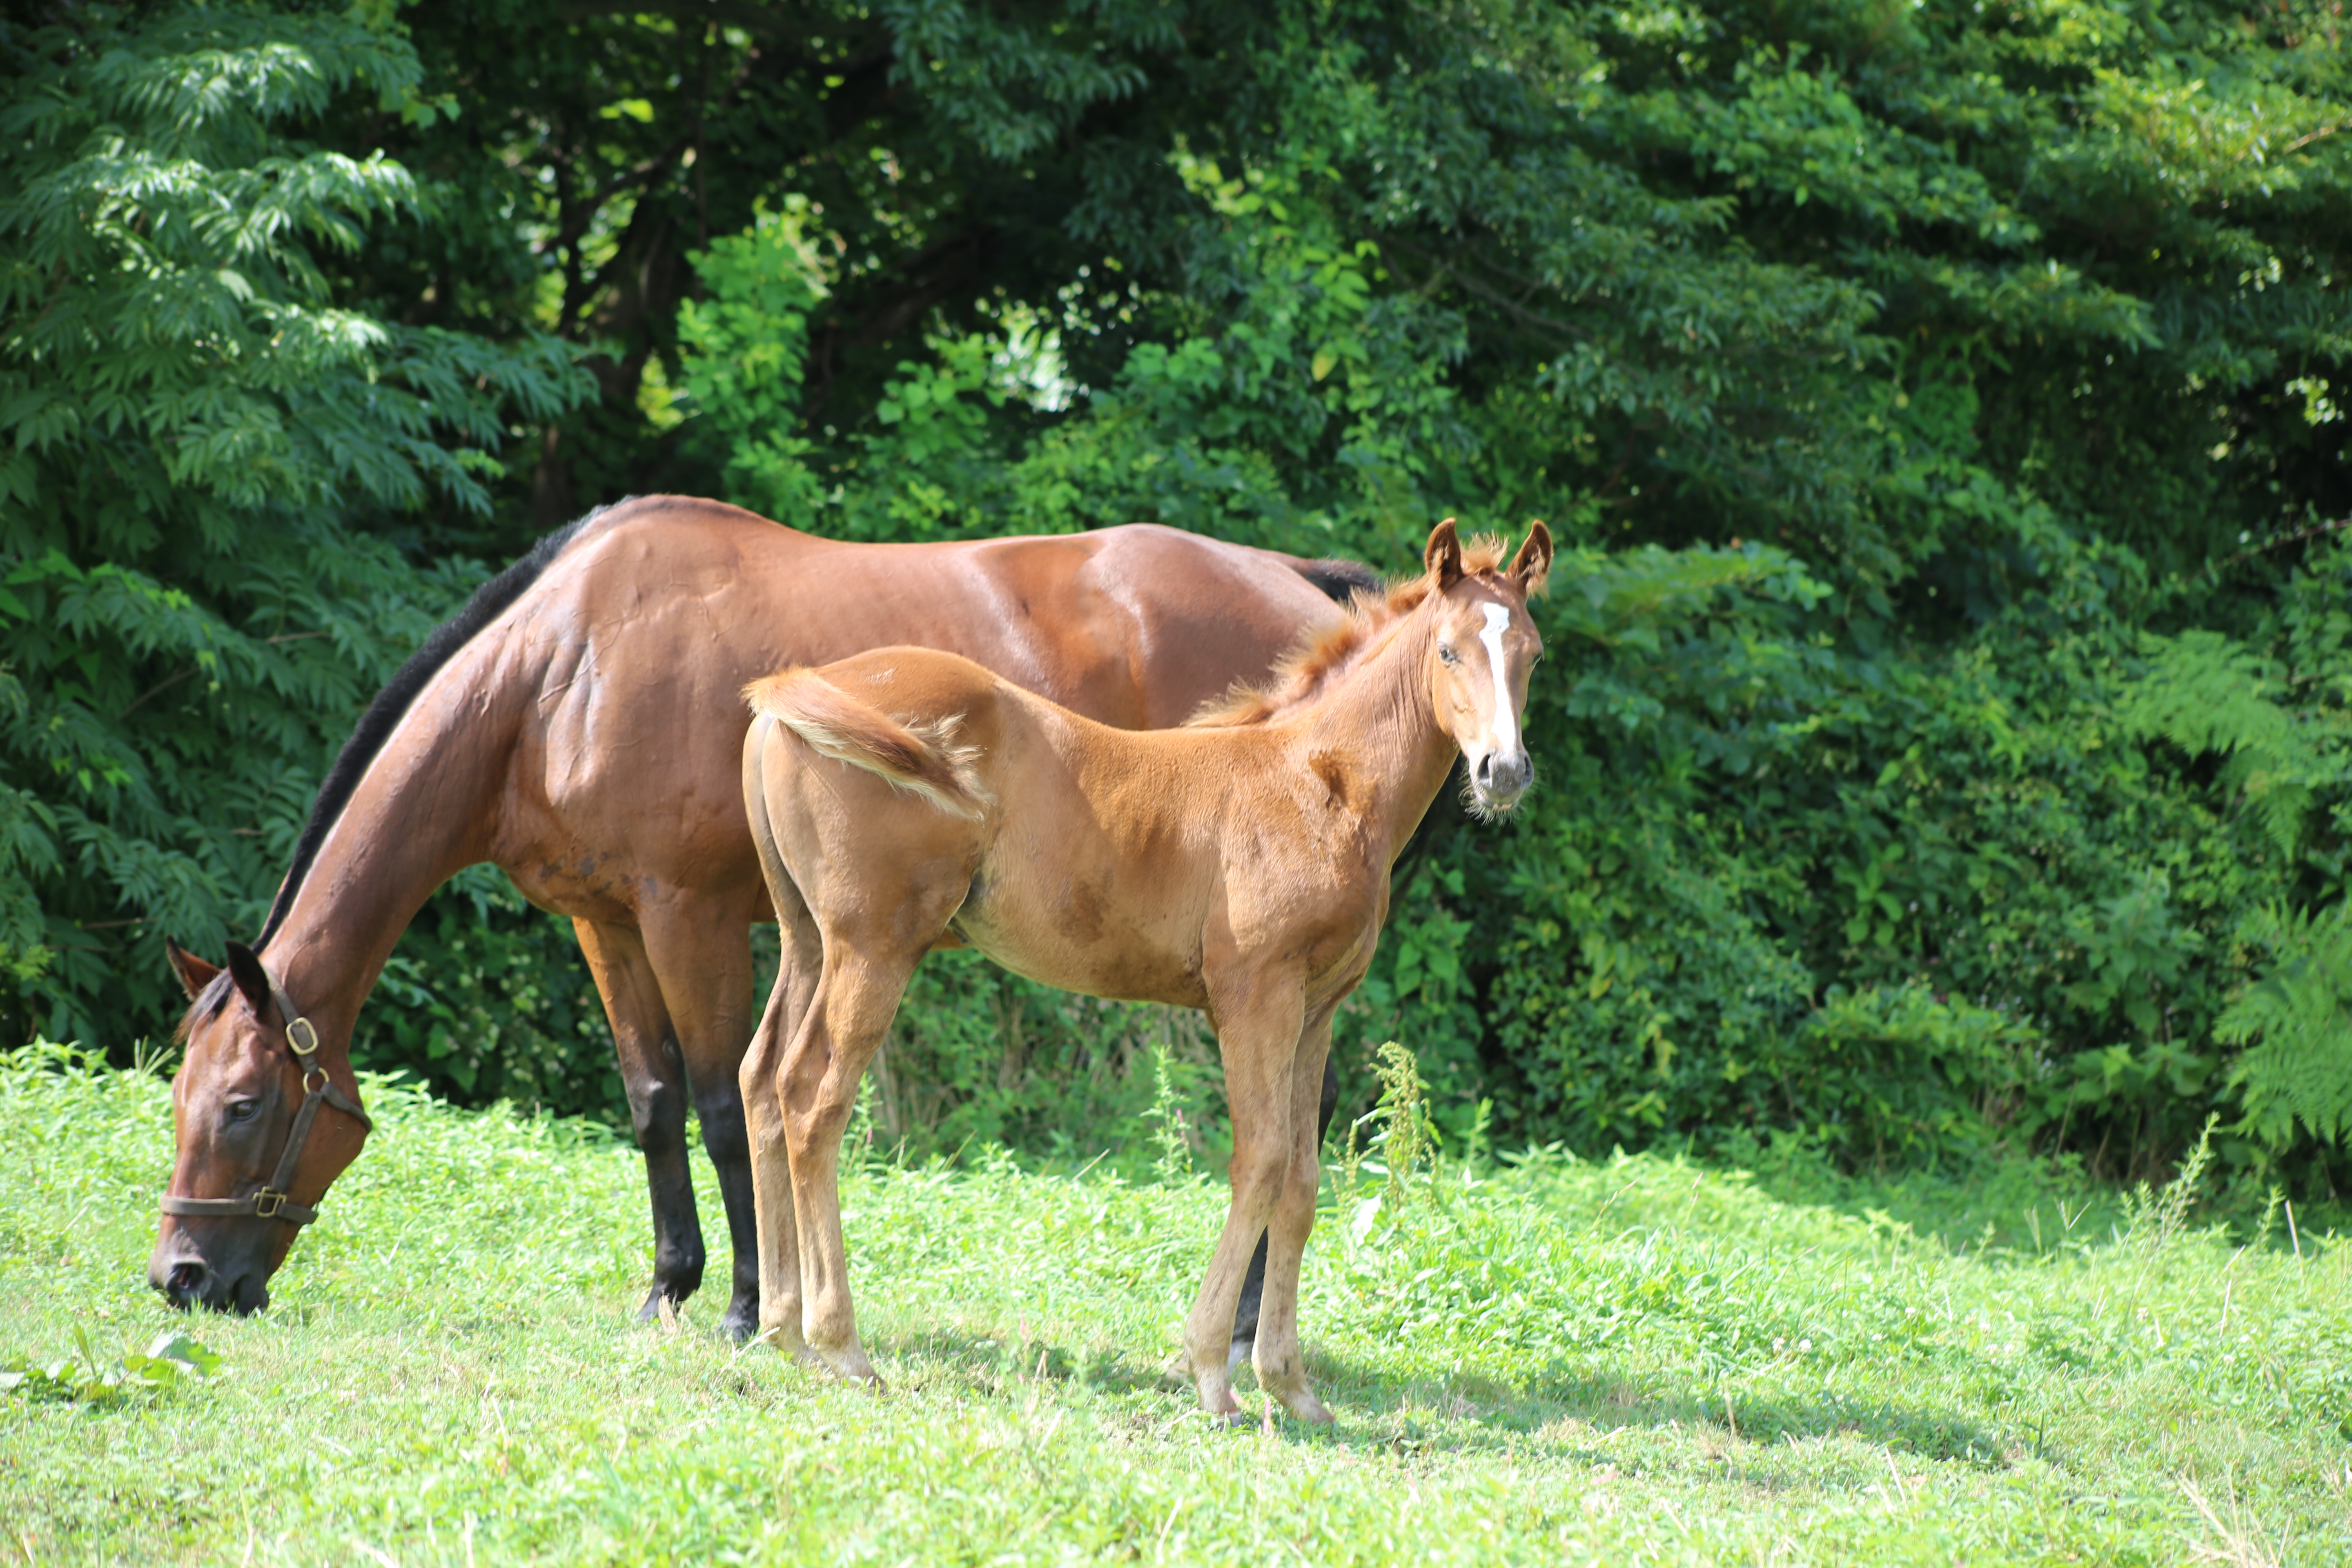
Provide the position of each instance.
(906, 799)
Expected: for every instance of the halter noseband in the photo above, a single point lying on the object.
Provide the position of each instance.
(272, 1201)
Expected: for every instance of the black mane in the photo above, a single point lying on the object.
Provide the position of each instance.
(489, 601)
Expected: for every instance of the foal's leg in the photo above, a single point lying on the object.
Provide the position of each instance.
(856, 997)
(701, 951)
(1258, 1027)
(772, 1166)
(654, 1078)
(761, 1081)
(1281, 1368)
(1246, 1316)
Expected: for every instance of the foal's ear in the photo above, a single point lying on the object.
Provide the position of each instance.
(252, 980)
(194, 973)
(1443, 556)
(1532, 565)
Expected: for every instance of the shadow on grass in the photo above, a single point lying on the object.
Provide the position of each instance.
(1468, 1415)
(1474, 1412)
(998, 1365)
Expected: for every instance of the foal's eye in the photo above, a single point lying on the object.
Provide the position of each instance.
(243, 1109)
(1447, 654)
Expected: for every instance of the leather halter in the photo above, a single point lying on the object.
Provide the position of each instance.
(272, 1201)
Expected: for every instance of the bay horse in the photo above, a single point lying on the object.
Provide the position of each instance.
(907, 798)
(579, 724)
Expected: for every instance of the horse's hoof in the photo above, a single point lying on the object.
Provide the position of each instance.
(1217, 1398)
(851, 1366)
(785, 1339)
(738, 1327)
(1304, 1407)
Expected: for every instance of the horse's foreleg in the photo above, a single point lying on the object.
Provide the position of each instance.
(1257, 1036)
(1246, 1316)
(1281, 1367)
(654, 1079)
(702, 952)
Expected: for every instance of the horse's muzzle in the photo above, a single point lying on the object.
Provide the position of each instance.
(1499, 780)
(191, 1282)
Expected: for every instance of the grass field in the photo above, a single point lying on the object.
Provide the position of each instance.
(1623, 1362)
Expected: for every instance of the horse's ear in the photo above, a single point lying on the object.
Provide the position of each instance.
(1532, 565)
(194, 973)
(252, 980)
(1443, 557)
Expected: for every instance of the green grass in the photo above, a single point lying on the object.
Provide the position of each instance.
(1630, 1360)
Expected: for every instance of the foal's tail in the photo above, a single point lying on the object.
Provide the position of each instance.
(916, 758)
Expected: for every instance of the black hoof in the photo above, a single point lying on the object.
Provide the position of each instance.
(740, 1323)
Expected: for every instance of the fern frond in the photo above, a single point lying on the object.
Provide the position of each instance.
(2207, 694)
(2295, 1025)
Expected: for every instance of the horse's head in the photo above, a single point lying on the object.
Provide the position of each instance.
(261, 1129)
(1482, 646)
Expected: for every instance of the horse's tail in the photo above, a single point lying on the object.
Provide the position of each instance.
(916, 758)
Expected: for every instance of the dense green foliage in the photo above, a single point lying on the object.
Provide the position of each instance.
(1555, 1361)
(207, 448)
(1943, 744)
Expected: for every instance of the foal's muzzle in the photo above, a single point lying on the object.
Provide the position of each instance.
(1499, 780)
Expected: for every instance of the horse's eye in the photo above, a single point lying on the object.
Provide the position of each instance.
(1447, 654)
(243, 1109)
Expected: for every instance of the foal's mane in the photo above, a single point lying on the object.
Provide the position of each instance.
(1326, 651)
(391, 705)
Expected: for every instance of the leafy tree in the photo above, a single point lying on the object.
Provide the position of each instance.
(1940, 407)
(201, 439)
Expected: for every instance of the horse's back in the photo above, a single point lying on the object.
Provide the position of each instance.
(639, 640)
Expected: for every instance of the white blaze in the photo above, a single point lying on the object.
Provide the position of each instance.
(1506, 729)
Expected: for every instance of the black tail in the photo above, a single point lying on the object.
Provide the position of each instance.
(1341, 580)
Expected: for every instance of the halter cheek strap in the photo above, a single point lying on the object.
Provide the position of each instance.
(272, 1201)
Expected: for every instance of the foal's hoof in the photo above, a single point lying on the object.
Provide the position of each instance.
(1217, 1398)
(784, 1339)
(739, 1324)
(850, 1366)
(1304, 1407)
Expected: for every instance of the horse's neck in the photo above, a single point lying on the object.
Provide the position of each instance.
(425, 809)
(1377, 715)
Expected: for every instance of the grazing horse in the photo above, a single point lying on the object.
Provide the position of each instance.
(579, 723)
(906, 798)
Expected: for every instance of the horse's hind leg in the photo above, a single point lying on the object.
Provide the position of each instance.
(771, 1166)
(1281, 1367)
(701, 950)
(760, 1078)
(654, 1078)
(856, 996)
